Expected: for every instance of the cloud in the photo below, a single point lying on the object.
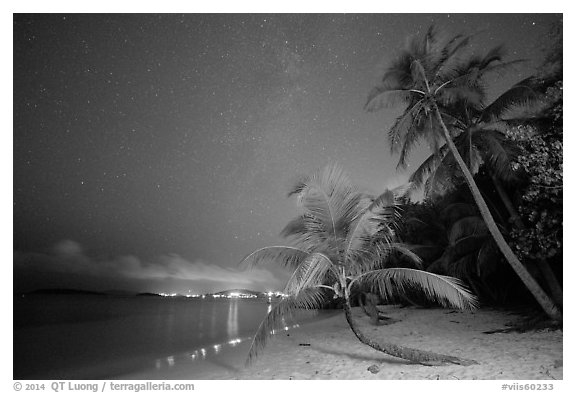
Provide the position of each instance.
(68, 248)
(68, 257)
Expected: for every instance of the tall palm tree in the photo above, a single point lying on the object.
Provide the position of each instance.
(339, 244)
(429, 77)
(482, 145)
(480, 136)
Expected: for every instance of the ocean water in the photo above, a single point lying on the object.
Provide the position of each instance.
(101, 337)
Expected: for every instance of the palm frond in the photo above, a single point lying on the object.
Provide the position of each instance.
(450, 58)
(328, 195)
(469, 151)
(427, 167)
(430, 52)
(447, 291)
(467, 80)
(468, 88)
(454, 116)
(502, 125)
(297, 226)
(406, 251)
(371, 220)
(495, 54)
(350, 208)
(466, 227)
(397, 75)
(419, 129)
(501, 68)
(309, 298)
(310, 273)
(402, 191)
(417, 68)
(444, 178)
(405, 124)
(286, 256)
(381, 97)
(433, 62)
(479, 63)
(498, 151)
(433, 132)
(518, 96)
(306, 232)
(386, 207)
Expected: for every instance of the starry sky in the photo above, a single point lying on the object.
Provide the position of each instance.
(153, 152)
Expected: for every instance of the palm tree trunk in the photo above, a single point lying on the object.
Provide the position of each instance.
(542, 264)
(414, 355)
(551, 281)
(541, 297)
(369, 307)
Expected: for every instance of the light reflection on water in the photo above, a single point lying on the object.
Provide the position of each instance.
(233, 318)
(213, 330)
(212, 350)
(203, 353)
(201, 321)
(126, 333)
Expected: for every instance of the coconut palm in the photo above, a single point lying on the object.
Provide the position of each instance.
(339, 244)
(430, 77)
(480, 137)
(482, 142)
(482, 145)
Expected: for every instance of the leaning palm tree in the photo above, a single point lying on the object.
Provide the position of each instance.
(339, 244)
(480, 137)
(429, 77)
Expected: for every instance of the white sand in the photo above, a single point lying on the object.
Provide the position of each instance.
(335, 353)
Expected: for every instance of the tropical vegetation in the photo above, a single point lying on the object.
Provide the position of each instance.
(340, 242)
(442, 90)
(491, 215)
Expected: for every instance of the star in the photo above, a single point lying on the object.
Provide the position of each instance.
(196, 125)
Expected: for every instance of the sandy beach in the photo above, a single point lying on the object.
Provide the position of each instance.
(331, 351)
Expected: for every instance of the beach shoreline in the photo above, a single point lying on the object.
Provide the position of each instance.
(327, 349)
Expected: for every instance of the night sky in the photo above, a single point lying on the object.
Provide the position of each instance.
(153, 152)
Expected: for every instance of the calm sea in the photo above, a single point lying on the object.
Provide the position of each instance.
(100, 337)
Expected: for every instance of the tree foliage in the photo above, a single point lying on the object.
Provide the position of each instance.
(341, 242)
(541, 160)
